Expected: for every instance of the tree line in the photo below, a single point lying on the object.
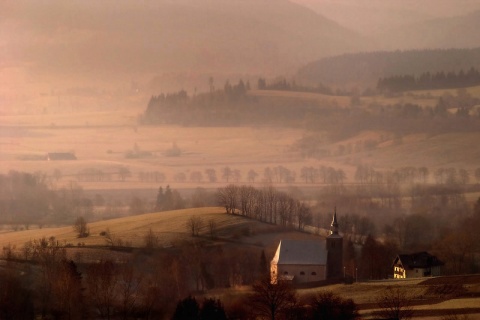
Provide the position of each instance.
(283, 84)
(215, 109)
(218, 107)
(429, 81)
(350, 68)
(307, 174)
(266, 205)
(28, 199)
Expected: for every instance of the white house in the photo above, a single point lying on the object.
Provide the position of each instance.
(416, 265)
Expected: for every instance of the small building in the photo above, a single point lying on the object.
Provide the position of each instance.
(308, 261)
(416, 265)
(56, 156)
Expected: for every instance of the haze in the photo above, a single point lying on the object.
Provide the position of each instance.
(163, 45)
(170, 146)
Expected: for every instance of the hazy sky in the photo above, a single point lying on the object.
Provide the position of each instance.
(369, 16)
(48, 46)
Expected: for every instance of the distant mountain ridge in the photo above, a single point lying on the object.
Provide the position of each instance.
(210, 36)
(451, 32)
(364, 69)
(406, 24)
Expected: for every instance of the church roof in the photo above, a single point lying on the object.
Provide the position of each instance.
(302, 252)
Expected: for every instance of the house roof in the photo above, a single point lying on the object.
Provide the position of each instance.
(417, 260)
(301, 252)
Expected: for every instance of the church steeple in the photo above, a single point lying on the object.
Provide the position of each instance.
(335, 250)
(334, 225)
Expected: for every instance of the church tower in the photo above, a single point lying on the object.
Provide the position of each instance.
(334, 251)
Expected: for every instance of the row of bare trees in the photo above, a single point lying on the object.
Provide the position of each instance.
(366, 174)
(267, 205)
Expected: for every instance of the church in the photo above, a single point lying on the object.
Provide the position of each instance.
(306, 261)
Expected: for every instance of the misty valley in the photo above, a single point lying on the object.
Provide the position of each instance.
(265, 159)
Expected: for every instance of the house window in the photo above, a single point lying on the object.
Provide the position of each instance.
(302, 273)
(314, 273)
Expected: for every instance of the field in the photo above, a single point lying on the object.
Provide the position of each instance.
(170, 227)
(101, 140)
(431, 299)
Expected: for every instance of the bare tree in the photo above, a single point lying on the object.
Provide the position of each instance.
(227, 197)
(194, 224)
(80, 227)
(270, 300)
(212, 228)
(124, 173)
(395, 303)
(110, 238)
(102, 283)
(252, 174)
(129, 285)
(227, 173)
(67, 291)
(151, 240)
(48, 254)
(211, 175)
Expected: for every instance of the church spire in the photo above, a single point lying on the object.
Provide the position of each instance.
(334, 225)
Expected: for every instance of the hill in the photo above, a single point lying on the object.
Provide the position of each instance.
(178, 41)
(407, 24)
(365, 69)
(170, 227)
(446, 32)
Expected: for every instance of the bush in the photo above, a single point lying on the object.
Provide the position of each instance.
(326, 305)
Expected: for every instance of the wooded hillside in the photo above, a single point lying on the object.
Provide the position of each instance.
(364, 69)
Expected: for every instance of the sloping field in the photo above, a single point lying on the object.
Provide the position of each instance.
(427, 300)
(170, 227)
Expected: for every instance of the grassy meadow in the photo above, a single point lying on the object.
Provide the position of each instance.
(170, 227)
